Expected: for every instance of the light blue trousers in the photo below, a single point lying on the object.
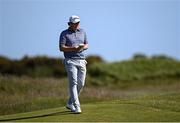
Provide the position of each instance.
(76, 70)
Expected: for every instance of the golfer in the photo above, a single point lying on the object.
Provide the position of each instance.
(73, 42)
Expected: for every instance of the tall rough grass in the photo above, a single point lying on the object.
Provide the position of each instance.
(21, 94)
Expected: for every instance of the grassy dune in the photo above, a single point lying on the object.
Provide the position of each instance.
(133, 73)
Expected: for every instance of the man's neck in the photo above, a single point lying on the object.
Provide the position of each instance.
(73, 29)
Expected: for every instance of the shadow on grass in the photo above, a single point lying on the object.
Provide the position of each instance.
(38, 116)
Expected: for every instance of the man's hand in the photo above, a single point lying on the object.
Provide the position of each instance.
(71, 49)
(79, 48)
(85, 46)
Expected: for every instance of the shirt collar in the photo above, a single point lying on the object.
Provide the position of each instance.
(73, 30)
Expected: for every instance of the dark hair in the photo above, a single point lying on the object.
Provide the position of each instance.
(69, 23)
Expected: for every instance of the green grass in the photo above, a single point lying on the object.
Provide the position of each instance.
(26, 94)
(23, 94)
(135, 90)
(159, 107)
(134, 73)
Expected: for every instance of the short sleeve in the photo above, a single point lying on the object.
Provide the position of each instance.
(62, 39)
(85, 38)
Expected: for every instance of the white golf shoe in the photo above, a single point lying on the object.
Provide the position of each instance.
(77, 110)
(70, 107)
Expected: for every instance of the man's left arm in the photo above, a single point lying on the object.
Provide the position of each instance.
(85, 42)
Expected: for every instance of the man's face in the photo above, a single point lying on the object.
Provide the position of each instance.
(74, 26)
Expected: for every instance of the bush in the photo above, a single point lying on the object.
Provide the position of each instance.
(39, 66)
(139, 56)
(94, 59)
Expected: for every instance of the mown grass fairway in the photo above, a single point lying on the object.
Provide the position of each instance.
(161, 107)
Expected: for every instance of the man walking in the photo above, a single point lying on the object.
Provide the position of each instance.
(73, 42)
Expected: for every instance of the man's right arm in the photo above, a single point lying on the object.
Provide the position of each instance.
(70, 49)
(67, 49)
